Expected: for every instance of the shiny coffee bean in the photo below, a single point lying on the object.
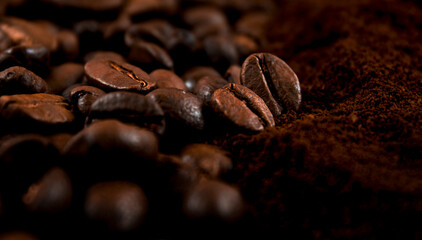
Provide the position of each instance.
(222, 51)
(19, 80)
(63, 76)
(116, 75)
(206, 87)
(180, 107)
(233, 74)
(273, 80)
(194, 74)
(243, 107)
(209, 159)
(82, 98)
(167, 79)
(131, 108)
(38, 108)
(150, 56)
(51, 194)
(34, 57)
(212, 199)
(206, 21)
(117, 205)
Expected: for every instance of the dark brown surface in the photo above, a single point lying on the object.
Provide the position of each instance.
(347, 165)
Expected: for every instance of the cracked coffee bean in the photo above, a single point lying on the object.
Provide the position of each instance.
(273, 80)
(130, 108)
(82, 98)
(116, 75)
(117, 205)
(167, 79)
(19, 80)
(243, 107)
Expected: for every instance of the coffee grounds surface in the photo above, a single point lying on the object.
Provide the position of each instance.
(348, 163)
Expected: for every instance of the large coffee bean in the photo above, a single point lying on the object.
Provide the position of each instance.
(38, 108)
(131, 108)
(211, 199)
(117, 205)
(167, 79)
(273, 80)
(63, 76)
(116, 75)
(19, 80)
(209, 159)
(206, 87)
(180, 106)
(82, 98)
(193, 75)
(242, 106)
(51, 194)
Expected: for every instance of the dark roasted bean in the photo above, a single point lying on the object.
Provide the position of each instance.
(206, 87)
(233, 74)
(131, 108)
(193, 75)
(210, 159)
(82, 98)
(150, 56)
(112, 56)
(117, 205)
(19, 80)
(242, 106)
(273, 80)
(63, 76)
(35, 58)
(68, 44)
(180, 106)
(222, 51)
(167, 79)
(245, 45)
(116, 75)
(206, 21)
(255, 25)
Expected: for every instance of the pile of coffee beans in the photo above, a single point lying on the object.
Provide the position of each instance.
(108, 108)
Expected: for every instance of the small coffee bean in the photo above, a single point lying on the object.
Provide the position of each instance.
(206, 87)
(194, 74)
(118, 205)
(273, 80)
(180, 107)
(242, 106)
(63, 76)
(210, 159)
(211, 199)
(150, 56)
(167, 79)
(233, 74)
(116, 75)
(38, 108)
(19, 80)
(52, 193)
(82, 98)
(222, 51)
(131, 108)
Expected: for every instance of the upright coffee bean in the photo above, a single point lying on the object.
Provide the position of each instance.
(19, 80)
(273, 80)
(116, 75)
(242, 106)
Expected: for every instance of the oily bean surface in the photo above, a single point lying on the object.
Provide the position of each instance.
(19, 80)
(206, 87)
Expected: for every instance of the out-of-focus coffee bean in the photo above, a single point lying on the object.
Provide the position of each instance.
(167, 79)
(150, 56)
(222, 51)
(95, 5)
(131, 108)
(68, 44)
(194, 74)
(273, 80)
(82, 98)
(233, 74)
(115, 75)
(35, 58)
(19, 80)
(206, 87)
(118, 205)
(109, 55)
(63, 76)
(5, 40)
(242, 106)
(255, 25)
(245, 45)
(180, 107)
(153, 7)
(210, 159)
(17, 235)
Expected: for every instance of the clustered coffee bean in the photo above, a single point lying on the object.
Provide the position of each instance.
(107, 107)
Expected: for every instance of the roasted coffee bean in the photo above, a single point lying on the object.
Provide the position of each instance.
(131, 108)
(5, 40)
(193, 75)
(115, 75)
(17, 235)
(82, 98)
(273, 80)
(35, 109)
(109, 55)
(245, 45)
(51, 194)
(19, 80)
(206, 87)
(155, 8)
(210, 159)
(212, 199)
(150, 56)
(35, 58)
(222, 51)
(68, 44)
(233, 74)
(117, 205)
(167, 79)
(96, 5)
(180, 107)
(255, 25)
(63, 76)
(242, 106)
